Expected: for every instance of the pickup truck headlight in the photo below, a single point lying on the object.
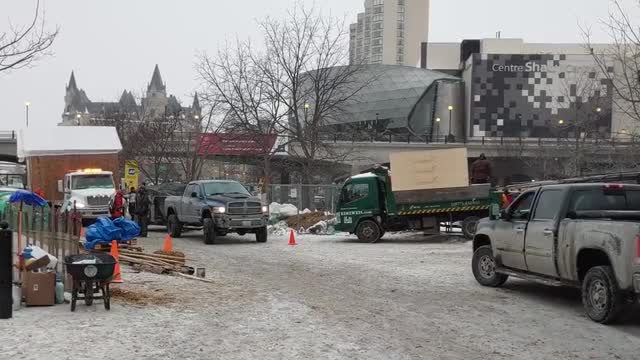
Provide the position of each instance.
(218, 209)
(79, 205)
(265, 209)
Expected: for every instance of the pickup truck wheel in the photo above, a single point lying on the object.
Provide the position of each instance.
(262, 235)
(469, 227)
(174, 227)
(484, 268)
(369, 231)
(209, 231)
(601, 297)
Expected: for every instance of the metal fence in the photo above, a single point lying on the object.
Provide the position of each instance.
(53, 230)
(312, 197)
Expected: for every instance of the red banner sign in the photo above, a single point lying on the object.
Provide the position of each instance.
(235, 144)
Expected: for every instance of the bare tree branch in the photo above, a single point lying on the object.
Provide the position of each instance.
(21, 46)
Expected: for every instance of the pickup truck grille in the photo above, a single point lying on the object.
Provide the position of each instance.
(98, 200)
(244, 208)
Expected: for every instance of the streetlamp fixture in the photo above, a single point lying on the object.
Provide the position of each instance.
(598, 109)
(26, 106)
(437, 128)
(560, 122)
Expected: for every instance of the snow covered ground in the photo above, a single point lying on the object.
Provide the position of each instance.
(329, 297)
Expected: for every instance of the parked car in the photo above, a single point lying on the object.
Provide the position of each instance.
(582, 235)
(218, 207)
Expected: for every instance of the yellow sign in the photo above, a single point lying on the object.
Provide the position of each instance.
(131, 172)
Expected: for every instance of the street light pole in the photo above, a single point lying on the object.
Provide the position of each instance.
(450, 111)
(26, 106)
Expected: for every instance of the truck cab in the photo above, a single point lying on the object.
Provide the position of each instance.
(89, 191)
(366, 205)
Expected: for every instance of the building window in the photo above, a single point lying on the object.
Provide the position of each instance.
(377, 18)
(377, 34)
(378, 2)
(377, 26)
(376, 50)
(377, 10)
(401, 9)
(376, 42)
(401, 17)
(400, 42)
(400, 26)
(401, 2)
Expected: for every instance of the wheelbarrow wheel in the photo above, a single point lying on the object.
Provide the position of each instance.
(88, 293)
(106, 296)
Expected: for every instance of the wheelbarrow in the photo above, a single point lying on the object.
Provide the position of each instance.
(91, 275)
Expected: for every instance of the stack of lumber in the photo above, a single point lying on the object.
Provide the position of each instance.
(155, 263)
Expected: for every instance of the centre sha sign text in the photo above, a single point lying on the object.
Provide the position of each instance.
(527, 67)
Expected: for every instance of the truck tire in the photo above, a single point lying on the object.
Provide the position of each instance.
(483, 266)
(262, 235)
(209, 231)
(368, 231)
(469, 226)
(174, 227)
(601, 297)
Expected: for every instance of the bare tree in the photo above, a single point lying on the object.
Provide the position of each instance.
(187, 139)
(21, 46)
(250, 101)
(620, 61)
(308, 75)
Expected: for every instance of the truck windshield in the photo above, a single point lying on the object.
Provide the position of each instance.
(224, 188)
(80, 182)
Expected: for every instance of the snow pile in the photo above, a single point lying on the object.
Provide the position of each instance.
(281, 211)
(324, 227)
(306, 211)
(279, 229)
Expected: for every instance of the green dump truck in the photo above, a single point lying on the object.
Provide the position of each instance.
(368, 207)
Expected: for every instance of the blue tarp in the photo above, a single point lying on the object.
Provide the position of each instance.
(104, 230)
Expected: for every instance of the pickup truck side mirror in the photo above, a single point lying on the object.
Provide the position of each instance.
(60, 187)
(572, 215)
(504, 215)
(194, 194)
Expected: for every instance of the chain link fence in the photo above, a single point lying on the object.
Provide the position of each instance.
(313, 197)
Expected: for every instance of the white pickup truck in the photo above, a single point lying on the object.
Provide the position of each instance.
(90, 190)
(582, 235)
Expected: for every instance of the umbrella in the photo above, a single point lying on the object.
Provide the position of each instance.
(27, 197)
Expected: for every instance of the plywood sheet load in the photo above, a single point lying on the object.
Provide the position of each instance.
(429, 169)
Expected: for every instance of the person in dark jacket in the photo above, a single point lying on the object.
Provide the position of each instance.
(481, 171)
(143, 204)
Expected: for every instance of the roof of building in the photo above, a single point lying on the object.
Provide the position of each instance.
(67, 140)
(389, 92)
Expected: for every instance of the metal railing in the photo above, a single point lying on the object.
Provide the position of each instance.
(481, 141)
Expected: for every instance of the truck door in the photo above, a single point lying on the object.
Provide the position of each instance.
(510, 232)
(542, 232)
(190, 205)
(357, 200)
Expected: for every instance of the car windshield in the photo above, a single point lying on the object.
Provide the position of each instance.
(80, 182)
(219, 188)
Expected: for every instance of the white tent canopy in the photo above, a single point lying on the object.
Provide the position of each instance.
(68, 140)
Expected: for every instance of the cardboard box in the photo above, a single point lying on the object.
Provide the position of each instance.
(39, 288)
(429, 169)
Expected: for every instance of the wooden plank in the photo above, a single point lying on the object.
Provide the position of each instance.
(480, 191)
(430, 169)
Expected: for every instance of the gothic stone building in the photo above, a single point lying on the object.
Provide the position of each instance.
(79, 110)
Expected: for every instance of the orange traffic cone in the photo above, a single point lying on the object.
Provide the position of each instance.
(168, 247)
(292, 238)
(117, 278)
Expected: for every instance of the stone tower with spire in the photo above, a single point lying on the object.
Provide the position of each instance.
(156, 101)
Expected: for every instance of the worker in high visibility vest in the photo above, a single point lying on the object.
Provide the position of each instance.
(506, 198)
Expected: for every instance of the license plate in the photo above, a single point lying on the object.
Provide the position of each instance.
(246, 223)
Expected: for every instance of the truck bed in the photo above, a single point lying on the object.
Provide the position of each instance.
(470, 198)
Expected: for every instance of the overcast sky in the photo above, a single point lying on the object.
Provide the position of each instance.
(114, 44)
